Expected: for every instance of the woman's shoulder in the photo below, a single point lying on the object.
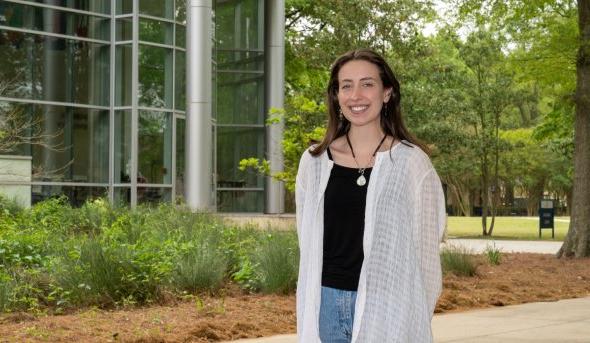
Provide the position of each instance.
(307, 156)
(416, 157)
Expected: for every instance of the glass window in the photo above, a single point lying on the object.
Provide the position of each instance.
(17, 127)
(124, 6)
(54, 21)
(152, 195)
(77, 195)
(180, 150)
(239, 25)
(48, 68)
(180, 36)
(240, 60)
(181, 11)
(234, 144)
(214, 90)
(155, 147)
(67, 144)
(240, 201)
(162, 8)
(180, 101)
(97, 6)
(74, 144)
(123, 68)
(122, 196)
(155, 77)
(124, 29)
(240, 98)
(155, 31)
(122, 151)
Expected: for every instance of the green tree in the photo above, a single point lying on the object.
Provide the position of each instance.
(435, 106)
(533, 25)
(490, 94)
(577, 241)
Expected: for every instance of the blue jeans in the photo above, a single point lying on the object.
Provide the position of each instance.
(336, 315)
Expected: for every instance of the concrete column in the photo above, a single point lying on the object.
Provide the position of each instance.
(275, 84)
(199, 175)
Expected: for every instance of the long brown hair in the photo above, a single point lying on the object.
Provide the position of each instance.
(391, 116)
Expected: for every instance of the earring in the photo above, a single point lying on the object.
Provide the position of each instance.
(340, 115)
(384, 109)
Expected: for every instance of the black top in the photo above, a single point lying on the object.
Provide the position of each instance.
(344, 222)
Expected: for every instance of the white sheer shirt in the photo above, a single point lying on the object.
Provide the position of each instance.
(400, 279)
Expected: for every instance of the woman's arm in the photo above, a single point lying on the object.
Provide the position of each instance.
(430, 217)
(300, 185)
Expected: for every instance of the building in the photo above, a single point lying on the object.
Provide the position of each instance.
(146, 101)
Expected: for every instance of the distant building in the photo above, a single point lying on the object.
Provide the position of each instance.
(145, 101)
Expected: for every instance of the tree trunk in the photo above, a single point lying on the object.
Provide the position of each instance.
(577, 241)
(568, 202)
(495, 190)
(485, 191)
(509, 195)
(459, 198)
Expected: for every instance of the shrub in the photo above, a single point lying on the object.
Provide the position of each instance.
(457, 261)
(97, 273)
(9, 207)
(493, 254)
(28, 289)
(238, 245)
(5, 291)
(52, 215)
(276, 263)
(92, 217)
(53, 256)
(201, 267)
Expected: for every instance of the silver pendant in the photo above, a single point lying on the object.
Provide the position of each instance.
(361, 181)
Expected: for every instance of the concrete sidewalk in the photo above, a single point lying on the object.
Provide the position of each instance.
(565, 321)
(479, 245)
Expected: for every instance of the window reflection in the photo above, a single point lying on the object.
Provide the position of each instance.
(240, 60)
(240, 201)
(48, 68)
(152, 195)
(180, 101)
(124, 6)
(180, 36)
(76, 195)
(240, 98)
(155, 77)
(68, 144)
(123, 72)
(122, 161)
(73, 146)
(155, 147)
(234, 144)
(180, 157)
(181, 11)
(238, 25)
(162, 8)
(155, 31)
(54, 21)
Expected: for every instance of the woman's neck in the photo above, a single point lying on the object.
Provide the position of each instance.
(364, 139)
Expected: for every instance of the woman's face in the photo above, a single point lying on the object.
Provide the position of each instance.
(361, 93)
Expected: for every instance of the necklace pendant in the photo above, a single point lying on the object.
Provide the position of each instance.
(361, 181)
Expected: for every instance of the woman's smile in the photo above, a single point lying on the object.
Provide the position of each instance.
(358, 109)
(361, 93)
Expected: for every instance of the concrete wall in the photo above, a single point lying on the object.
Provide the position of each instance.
(262, 221)
(15, 178)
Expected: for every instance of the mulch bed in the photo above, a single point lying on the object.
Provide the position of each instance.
(520, 278)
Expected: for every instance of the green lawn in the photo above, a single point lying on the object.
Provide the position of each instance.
(506, 228)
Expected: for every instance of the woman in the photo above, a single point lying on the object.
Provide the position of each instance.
(370, 216)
